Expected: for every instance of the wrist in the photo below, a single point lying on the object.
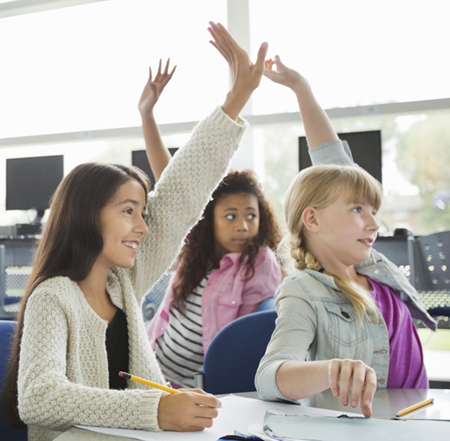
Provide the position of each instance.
(235, 101)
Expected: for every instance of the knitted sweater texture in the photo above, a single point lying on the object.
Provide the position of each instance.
(63, 371)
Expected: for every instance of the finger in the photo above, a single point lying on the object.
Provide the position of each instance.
(207, 400)
(172, 72)
(149, 74)
(220, 44)
(159, 67)
(279, 63)
(226, 36)
(358, 383)
(269, 63)
(345, 378)
(166, 68)
(262, 52)
(334, 369)
(224, 39)
(222, 52)
(368, 393)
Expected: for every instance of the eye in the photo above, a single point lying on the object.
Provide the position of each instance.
(230, 217)
(128, 211)
(252, 216)
(357, 209)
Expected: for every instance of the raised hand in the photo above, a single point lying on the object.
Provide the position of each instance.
(189, 411)
(154, 87)
(283, 74)
(354, 382)
(245, 74)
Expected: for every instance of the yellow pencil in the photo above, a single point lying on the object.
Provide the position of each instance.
(415, 407)
(148, 383)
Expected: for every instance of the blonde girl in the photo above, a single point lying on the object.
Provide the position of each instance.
(345, 311)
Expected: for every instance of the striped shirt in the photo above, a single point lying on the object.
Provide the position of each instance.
(179, 350)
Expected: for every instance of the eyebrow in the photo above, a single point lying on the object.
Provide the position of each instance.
(128, 201)
(236, 209)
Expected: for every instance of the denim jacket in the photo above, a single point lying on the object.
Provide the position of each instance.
(316, 321)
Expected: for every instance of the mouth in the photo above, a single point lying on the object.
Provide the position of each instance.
(132, 245)
(368, 242)
(240, 241)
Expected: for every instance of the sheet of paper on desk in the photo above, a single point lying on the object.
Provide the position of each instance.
(236, 414)
(325, 428)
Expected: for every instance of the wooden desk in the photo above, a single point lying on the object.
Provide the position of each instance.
(385, 405)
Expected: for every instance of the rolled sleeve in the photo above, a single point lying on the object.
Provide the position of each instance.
(332, 152)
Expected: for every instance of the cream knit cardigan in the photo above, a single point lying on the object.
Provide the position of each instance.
(63, 371)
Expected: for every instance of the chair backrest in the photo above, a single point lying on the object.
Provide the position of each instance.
(7, 328)
(233, 356)
(395, 248)
(430, 261)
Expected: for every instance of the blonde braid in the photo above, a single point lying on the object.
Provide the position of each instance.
(361, 300)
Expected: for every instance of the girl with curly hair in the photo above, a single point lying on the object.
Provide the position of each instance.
(225, 269)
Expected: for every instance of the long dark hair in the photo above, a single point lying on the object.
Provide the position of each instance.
(197, 254)
(70, 244)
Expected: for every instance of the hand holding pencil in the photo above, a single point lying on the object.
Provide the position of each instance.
(186, 410)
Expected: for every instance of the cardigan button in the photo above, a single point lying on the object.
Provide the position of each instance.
(377, 271)
(233, 302)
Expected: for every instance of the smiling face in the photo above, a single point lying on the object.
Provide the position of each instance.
(236, 220)
(122, 224)
(341, 235)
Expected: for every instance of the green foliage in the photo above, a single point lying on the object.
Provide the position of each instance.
(424, 159)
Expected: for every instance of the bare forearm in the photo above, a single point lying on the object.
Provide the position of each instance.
(158, 156)
(317, 125)
(301, 379)
(235, 102)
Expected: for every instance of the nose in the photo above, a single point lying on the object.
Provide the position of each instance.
(141, 226)
(373, 224)
(242, 225)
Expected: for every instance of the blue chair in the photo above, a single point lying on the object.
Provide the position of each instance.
(266, 305)
(233, 356)
(7, 327)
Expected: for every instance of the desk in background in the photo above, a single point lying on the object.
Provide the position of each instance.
(386, 403)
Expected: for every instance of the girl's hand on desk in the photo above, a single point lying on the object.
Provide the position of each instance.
(190, 411)
(355, 376)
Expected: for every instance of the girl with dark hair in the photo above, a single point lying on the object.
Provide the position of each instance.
(105, 244)
(226, 267)
(225, 270)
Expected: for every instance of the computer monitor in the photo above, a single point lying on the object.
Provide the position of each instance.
(139, 159)
(31, 182)
(365, 148)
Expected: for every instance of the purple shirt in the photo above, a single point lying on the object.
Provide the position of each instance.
(406, 367)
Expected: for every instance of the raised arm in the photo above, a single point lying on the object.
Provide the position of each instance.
(158, 156)
(317, 125)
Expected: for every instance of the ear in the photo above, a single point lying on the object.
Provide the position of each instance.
(309, 218)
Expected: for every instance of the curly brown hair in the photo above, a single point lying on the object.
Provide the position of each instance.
(197, 254)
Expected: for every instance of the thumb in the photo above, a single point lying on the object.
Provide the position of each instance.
(262, 55)
(278, 63)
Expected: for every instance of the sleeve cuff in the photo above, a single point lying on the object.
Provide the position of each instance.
(332, 152)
